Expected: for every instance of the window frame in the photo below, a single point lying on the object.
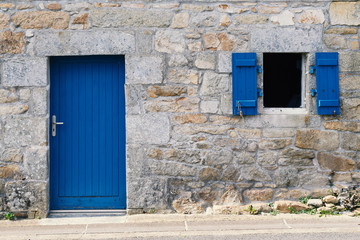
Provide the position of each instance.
(304, 83)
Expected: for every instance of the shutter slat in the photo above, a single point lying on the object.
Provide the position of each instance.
(328, 103)
(327, 83)
(327, 62)
(245, 62)
(244, 81)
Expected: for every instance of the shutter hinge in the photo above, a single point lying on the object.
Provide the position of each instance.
(259, 92)
(312, 69)
(313, 92)
(258, 68)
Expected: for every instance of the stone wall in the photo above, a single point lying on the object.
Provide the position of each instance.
(185, 150)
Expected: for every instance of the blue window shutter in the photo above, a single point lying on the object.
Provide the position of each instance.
(244, 83)
(327, 83)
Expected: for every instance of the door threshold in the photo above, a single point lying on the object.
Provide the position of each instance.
(86, 213)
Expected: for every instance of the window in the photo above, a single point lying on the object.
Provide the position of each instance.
(284, 83)
(282, 80)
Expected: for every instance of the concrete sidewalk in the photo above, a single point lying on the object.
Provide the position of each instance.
(156, 226)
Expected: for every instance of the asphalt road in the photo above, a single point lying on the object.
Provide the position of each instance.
(195, 227)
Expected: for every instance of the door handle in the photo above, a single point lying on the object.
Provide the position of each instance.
(54, 123)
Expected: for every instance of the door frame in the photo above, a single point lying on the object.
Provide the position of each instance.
(123, 157)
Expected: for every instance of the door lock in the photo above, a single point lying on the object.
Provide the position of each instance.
(54, 123)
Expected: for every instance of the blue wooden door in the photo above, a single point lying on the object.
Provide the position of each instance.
(87, 154)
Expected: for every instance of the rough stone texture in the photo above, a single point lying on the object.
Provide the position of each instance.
(225, 21)
(25, 72)
(354, 44)
(114, 18)
(12, 109)
(25, 6)
(259, 195)
(343, 126)
(204, 20)
(214, 84)
(274, 144)
(77, 7)
(144, 41)
(36, 163)
(335, 42)
(297, 154)
(283, 206)
(143, 69)
(165, 91)
(219, 158)
(27, 196)
(155, 154)
(41, 19)
(286, 18)
(341, 31)
(11, 171)
(7, 6)
(11, 155)
(251, 19)
(153, 128)
(183, 76)
(4, 20)
(147, 193)
(189, 118)
(82, 43)
(266, 9)
(2, 186)
(172, 169)
(180, 20)
(209, 106)
(288, 39)
(186, 206)
(310, 178)
(267, 158)
(292, 194)
(8, 96)
(350, 82)
(286, 177)
(196, 7)
(182, 104)
(231, 197)
(277, 133)
(344, 13)
(39, 104)
(208, 174)
(206, 194)
(11, 42)
(54, 6)
(223, 62)
(205, 61)
(182, 140)
(187, 156)
(169, 41)
(81, 19)
(190, 130)
(25, 131)
(177, 60)
(351, 108)
(349, 61)
(315, 202)
(317, 140)
(312, 17)
(322, 192)
(351, 141)
(255, 174)
(330, 199)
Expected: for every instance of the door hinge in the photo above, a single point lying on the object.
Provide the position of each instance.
(312, 69)
(313, 92)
